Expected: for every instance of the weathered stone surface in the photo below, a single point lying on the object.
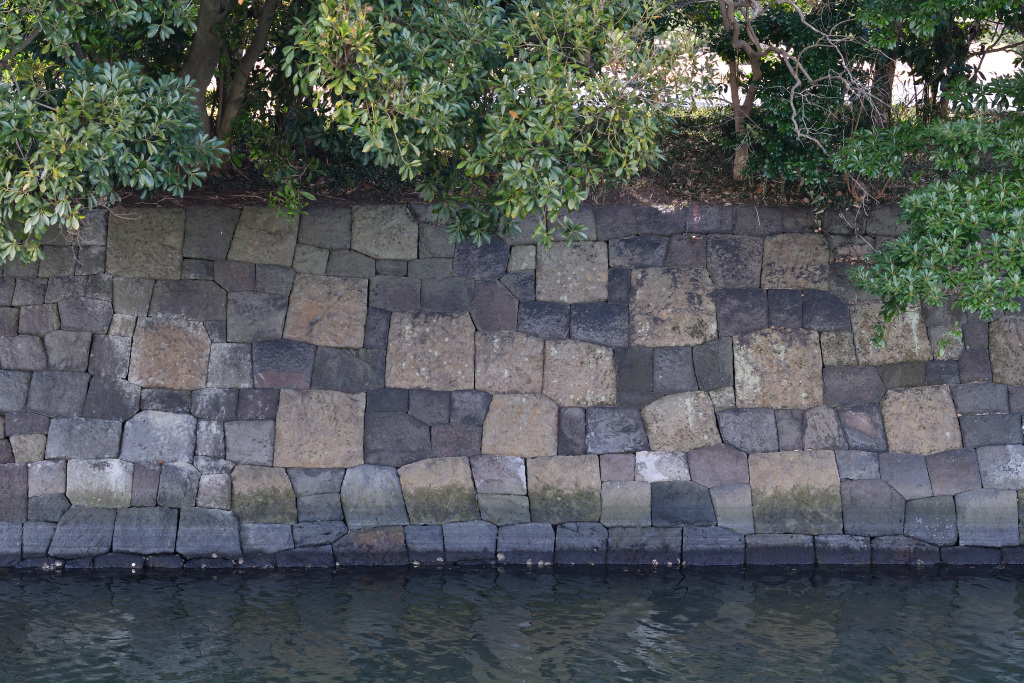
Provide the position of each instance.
(522, 284)
(864, 428)
(311, 261)
(837, 348)
(326, 227)
(618, 286)
(485, 262)
(521, 425)
(681, 422)
(987, 517)
(28, 447)
(674, 370)
(544, 319)
(327, 311)
(230, 366)
(902, 375)
(529, 544)
(189, 299)
(48, 508)
(796, 492)
(446, 294)
(449, 440)
(906, 336)
(579, 374)
(845, 387)
(581, 543)
(179, 485)
(509, 363)
(954, 472)
(208, 231)
(842, 550)
(167, 400)
(901, 550)
(573, 273)
(371, 496)
(907, 473)
(74, 438)
(733, 507)
(235, 276)
(825, 312)
(734, 261)
(372, 547)
(661, 466)
(978, 398)
(262, 236)
(430, 351)
(780, 549)
(171, 354)
(352, 371)
(990, 430)
(203, 532)
(83, 532)
(38, 319)
(678, 503)
(262, 495)
(795, 262)
(618, 467)
(265, 538)
(35, 539)
(282, 364)
(250, 442)
(751, 430)
(871, 508)
(145, 531)
(439, 490)
(66, 350)
(522, 258)
(1002, 467)
(502, 509)
(822, 430)
(615, 430)
(385, 232)
(215, 404)
(741, 310)
(718, 466)
(644, 546)
(498, 474)
(57, 394)
(110, 356)
(470, 542)
(638, 252)
(13, 390)
(932, 520)
(153, 436)
(494, 307)
(23, 352)
(392, 293)
(14, 492)
(146, 243)
(778, 368)
(319, 429)
(258, 404)
(395, 439)
(1006, 350)
(311, 534)
(712, 547)
(46, 478)
(215, 491)
(600, 323)
(564, 489)
(921, 420)
(255, 316)
(671, 307)
(625, 503)
(975, 366)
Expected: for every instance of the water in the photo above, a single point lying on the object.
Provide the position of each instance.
(509, 625)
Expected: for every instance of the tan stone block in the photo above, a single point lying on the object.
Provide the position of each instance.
(837, 348)
(579, 374)
(1006, 349)
(795, 262)
(430, 351)
(263, 236)
(564, 488)
(169, 354)
(681, 422)
(327, 311)
(573, 273)
(778, 368)
(521, 425)
(29, 447)
(385, 232)
(439, 491)
(509, 363)
(921, 420)
(796, 492)
(671, 307)
(906, 336)
(523, 258)
(262, 495)
(319, 428)
(145, 243)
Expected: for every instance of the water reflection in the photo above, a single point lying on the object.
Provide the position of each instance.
(492, 625)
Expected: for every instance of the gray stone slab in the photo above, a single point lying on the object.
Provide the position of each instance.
(35, 538)
(847, 387)
(145, 531)
(13, 390)
(751, 430)
(932, 520)
(203, 532)
(713, 364)
(153, 436)
(179, 485)
(319, 507)
(953, 472)
(907, 473)
(857, 464)
(425, 544)
(266, 538)
(250, 442)
(681, 503)
(311, 481)
(372, 547)
(282, 364)
(208, 231)
(529, 544)
(842, 550)
(901, 550)
(502, 510)
(615, 430)
(472, 542)
(109, 356)
(864, 428)
(395, 439)
(255, 316)
(77, 437)
(58, 394)
(14, 492)
(780, 549)
(83, 532)
(111, 398)
(311, 534)
(991, 430)
(712, 547)
(210, 439)
(48, 508)
(987, 517)
(581, 543)
(626, 503)
(871, 508)
(371, 496)
(645, 546)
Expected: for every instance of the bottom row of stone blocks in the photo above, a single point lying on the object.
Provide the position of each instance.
(158, 538)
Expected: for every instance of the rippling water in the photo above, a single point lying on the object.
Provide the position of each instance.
(491, 625)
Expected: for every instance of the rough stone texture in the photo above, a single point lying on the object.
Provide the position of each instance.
(527, 544)
(372, 547)
(1006, 349)
(262, 495)
(954, 472)
(846, 387)
(625, 503)
(837, 348)
(573, 273)
(319, 429)
(385, 232)
(169, 354)
(871, 508)
(425, 543)
(521, 425)
(250, 442)
(795, 262)
(255, 316)
(718, 466)
(615, 430)
(822, 430)
(439, 490)
(644, 546)
(75, 437)
(778, 368)
(734, 260)
(864, 428)
(58, 394)
(900, 550)
(371, 496)
(509, 363)
(1002, 467)
(485, 262)
(282, 364)
(618, 467)
(987, 518)
(83, 532)
(712, 547)
(906, 336)
(327, 311)
(14, 492)
(470, 542)
(145, 243)
(780, 549)
(661, 466)
(430, 351)
(796, 492)
(208, 533)
(907, 473)
(681, 503)
(499, 474)
(921, 420)
(145, 531)
(564, 489)
(681, 422)
(583, 543)
(578, 374)
(733, 507)
(671, 307)
(261, 236)
(28, 447)
(502, 510)
(932, 520)
(752, 430)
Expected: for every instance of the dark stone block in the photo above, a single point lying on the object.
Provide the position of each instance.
(208, 231)
(871, 508)
(378, 323)
(758, 220)
(636, 399)
(430, 407)
(274, 279)
(25, 423)
(493, 308)
(8, 322)
(687, 251)
(822, 430)
(1013, 556)
(718, 465)
(29, 291)
(953, 472)
(207, 564)
(712, 546)
(343, 263)
(634, 369)
(235, 276)
(110, 398)
(544, 319)
(470, 542)
(191, 299)
(394, 439)
(392, 267)
(527, 544)
(864, 429)
(975, 335)
(711, 219)
(310, 534)
(387, 401)
(932, 520)
(110, 356)
(13, 390)
(785, 308)
(257, 404)
(618, 286)
(600, 323)
(485, 262)
(56, 261)
(14, 492)
(614, 221)
(751, 430)
(790, 427)
(572, 431)
(679, 503)
(68, 350)
(83, 532)
(58, 394)
(825, 312)
(100, 286)
(145, 531)
(451, 441)
(901, 550)
(22, 353)
(735, 261)
(846, 387)
(673, 370)
(319, 557)
(282, 364)
(470, 407)
(907, 473)
(637, 252)
(207, 533)
(712, 363)
(395, 293)
(780, 549)
(902, 375)
(6, 290)
(963, 555)
(842, 550)
(660, 220)
(582, 543)
(255, 316)
(991, 430)
(522, 284)
(975, 366)
(942, 372)
(430, 267)
(425, 544)
(446, 294)
(215, 404)
(35, 538)
(166, 400)
(38, 320)
(645, 546)
(978, 398)
(353, 371)
(309, 481)
(741, 310)
(166, 563)
(615, 430)
(179, 485)
(48, 508)
(217, 330)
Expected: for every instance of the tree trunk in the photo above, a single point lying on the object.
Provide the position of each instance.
(204, 52)
(240, 78)
(881, 90)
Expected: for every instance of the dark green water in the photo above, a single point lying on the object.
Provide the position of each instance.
(491, 625)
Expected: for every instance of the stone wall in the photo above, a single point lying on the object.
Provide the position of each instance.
(217, 386)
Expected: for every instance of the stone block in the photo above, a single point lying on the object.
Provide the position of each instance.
(425, 544)
(208, 231)
(987, 517)
(215, 491)
(319, 429)
(487, 261)
(785, 307)
(921, 420)
(521, 425)
(522, 258)
(679, 503)
(387, 401)
(327, 311)
(258, 404)
(131, 296)
(371, 496)
(674, 369)
(825, 312)
(618, 467)
(837, 348)
(522, 284)
(385, 231)
(932, 520)
(978, 398)
(1006, 350)
(544, 319)
(169, 354)
(395, 439)
(430, 351)
(615, 221)
(864, 428)
(230, 366)
(970, 556)
(319, 557)
(990, 430)
(600, 323)
(644, 546)
(38, 320)
(28, 447)
(263, 236)
(57, 394)
(110, 356)
(34, 537)
(122, 326)
(712, 547)
(846, 387)
(573, 273)
(687, 251)
(146, 243)
(188, 299)
(179, 485)
(282, 364)
(681, 422)
(778, 368)
(857, 464)
(671, 307)
(83, 532)
(395, 293)
(472, 542)
(615, 430)
(204, 532)
(439, 490)
(975, 366)
(572, 431)
(145, 484)
(741, 310)
(312, 261)
(326, 227)
(235, 276)
(907, 473)
(871, 508)
(906, 336)
(265, 538)
(779, 549)
(790, 427)
(902, 375)
(67, 350)
(250, 442)
(618, 286)
(154, 436)
(503, 510)
(17, 422)
(734, 260)
(509, 363)
(654, 466)
(14, 492)
(626, 503)
(579, 374)
(901, 550)
(350, 264)
(352, 371)
(446, 294)
(469, 407)
(449, 440)
(46, 478)
(661, 220)
(637, 252)
(1002, 467)
(498, 474)
(8, 322)
(145, 531)
(215, 404)
(262, 495)
(80, 438)
(166, 400)
(311, 534)
(23, 352)
(48, 508)
(953, 472)
(372, 547)
(494, 307)
(718, 466)
(733, 507)
(795, 261)
(796, 492)
(822, 430)
(529, 544)
(842, 550)
(749, 429)
(564, 489)
(582, 543)
(255, 316)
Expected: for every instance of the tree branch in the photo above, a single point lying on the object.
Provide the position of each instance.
(240, 78)
(5, 62)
